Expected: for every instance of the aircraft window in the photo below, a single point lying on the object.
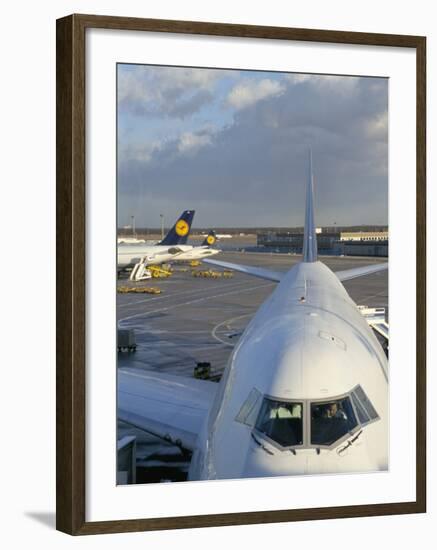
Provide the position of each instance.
(362, 415)
(281, 421)
(249, 410)
(365, 410)
(331, 420)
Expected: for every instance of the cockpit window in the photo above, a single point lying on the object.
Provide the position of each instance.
(281, 422)
(331, 420)
(249, 410)
(365, 410)
(305, 423)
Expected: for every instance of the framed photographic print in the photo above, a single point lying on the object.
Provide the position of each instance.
(240, 274)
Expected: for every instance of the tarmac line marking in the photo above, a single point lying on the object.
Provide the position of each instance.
(214, 330)
(145, 313)
(372, 296)
(178, 331)
(232, 285)
(212, 346)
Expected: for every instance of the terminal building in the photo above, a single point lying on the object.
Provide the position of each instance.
(292, 241)
(364, 243)
(330, 241)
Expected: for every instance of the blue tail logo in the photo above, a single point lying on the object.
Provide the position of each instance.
(182, 228)
(210, 239)
(178, 234)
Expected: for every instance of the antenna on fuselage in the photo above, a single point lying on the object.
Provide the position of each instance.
(309, 235)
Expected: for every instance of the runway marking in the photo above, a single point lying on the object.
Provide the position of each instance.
(162, 346)
(214, 330)
(231, 285)
(176, 331)
(372, 296)
(145, 313)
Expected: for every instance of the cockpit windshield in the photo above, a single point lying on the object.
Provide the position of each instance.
(307, 423)
(331, 420)
(281, 421)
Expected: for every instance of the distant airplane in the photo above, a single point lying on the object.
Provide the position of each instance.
(200, 252)
(224, 236)
(305, 390)
(140, 256)
(130, 240)
(172, 248)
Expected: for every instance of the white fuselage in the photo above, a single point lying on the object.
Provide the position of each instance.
(197, 253)
(308, 343)
(150, 254)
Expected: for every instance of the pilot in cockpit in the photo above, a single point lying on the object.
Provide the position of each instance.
(334, 411)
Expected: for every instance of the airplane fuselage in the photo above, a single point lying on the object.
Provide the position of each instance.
(151, 254)
(307, 352)
(159, 254)
(197, 253)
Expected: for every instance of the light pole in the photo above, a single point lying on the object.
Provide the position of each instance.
(133, 225)
(162, 225)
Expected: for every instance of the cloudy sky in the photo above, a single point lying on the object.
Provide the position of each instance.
(233, 145)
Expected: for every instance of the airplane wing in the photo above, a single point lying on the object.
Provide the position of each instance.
(348, 274)
(168, 406)
(276, 276)
(250, 270)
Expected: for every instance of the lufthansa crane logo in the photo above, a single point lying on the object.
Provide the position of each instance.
(210, 239)
(182, 228)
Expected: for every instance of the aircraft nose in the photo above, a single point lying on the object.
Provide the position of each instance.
(260, 463)
(269, 462)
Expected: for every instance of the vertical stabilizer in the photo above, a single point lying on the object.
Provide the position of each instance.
(210, 239)
(309, 237)
(178, 234)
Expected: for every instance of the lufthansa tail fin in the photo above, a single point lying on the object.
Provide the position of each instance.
(210, 239)
(309, 237)
(178, 234)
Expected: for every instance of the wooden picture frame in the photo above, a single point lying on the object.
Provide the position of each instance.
(71, 248)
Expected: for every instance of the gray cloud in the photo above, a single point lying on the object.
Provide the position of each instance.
(165, 91)
(245, 94)
(189, 105)
(253, 172)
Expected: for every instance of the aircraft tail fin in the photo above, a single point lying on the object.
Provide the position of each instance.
(309, 238)
(210, 239)
(178, 234)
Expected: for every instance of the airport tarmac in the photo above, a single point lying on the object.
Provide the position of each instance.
(193, 319)
(199, 320)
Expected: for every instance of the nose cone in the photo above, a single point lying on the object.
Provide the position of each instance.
(270, 462)
(260, 463)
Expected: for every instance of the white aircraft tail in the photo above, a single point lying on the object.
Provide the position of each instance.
(309, 237)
